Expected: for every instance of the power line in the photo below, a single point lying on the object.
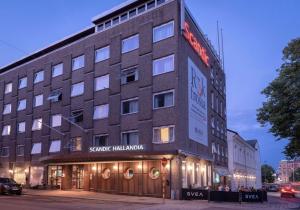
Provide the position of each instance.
(13, 46)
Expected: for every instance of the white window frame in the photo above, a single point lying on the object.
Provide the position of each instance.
(22, 83)
(40, 97)
(128, 39)
(57, 70)
(6, 130)
(6, 109)
(75, 59)
(38, 147)
(154, 72)
(160, 93)
(101, 117)
(8, 88)
(19, 124)
(127, 100)
(160, 127)
(56, 120)
(161, 26)
(41, 79)
(20, 108)
(77, 94)
(102, 50)
(100, 79)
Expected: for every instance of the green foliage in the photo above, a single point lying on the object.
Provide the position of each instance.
(282, 107)
(296, 177)
(267, 172)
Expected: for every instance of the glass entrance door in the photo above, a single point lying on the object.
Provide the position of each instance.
(77, 176)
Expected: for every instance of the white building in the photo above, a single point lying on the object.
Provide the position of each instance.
(243, 161)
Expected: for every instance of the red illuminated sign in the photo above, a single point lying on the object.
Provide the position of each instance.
(201, 51)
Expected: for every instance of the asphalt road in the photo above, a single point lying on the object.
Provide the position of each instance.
(30, 202)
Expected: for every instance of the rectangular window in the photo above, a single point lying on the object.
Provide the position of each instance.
(101, 111)
(163, 65)
(23, 82)
(115, 20)
(4, 152)
(108, 24)
(163, 134)
(76, 116)
(158, 2)
(55, 146)
(36, 148)
(151, 5)
(129, 75)
(76, 144)
(100, 140)
(20, 150)
(132, 13)
(6, 130)
(124, 17)
(38, 100)
(56, 120)
(141, 9)
(8, 88)
(164, 99)
(100, 27)
(37, 124)
(57, 70)
(7, 109)
(130, 43)
(78, 62)
(21, 105)
(163, 31)
(38, 77)
(21, 127)
(102, 82)
(102, 54)
(130, 138)
(130, 106)
(77, 89)
(55, 96)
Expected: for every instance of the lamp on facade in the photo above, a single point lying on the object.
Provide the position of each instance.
(94, 168)
(115, 167)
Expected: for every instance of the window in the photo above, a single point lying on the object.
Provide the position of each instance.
(37, 124)
(151, 5)
(128, 174)
(106, 173)
(4, 152)
(101, 111)
(158, 2)
(8, 88)
(163, 65)
(76, 144)
(38, 77)
(36, 148)
(141, 9)
(100, 27)
(163, 31)
(130, 106)
(22, 105)
(78, 62)
(55, 146)
(128, 76)
(100, 140)
(55, 96)
(56, 120)
(108, 24)
(23, 82)
(130, 138)
(38, 100)
(6, 130)
(21, 127)
(76, 116)
(163, 134)
(57, 70)
(132, 13)
(102, 82)
(7, 109)
(20, 150)
(102, 54)
(115, 21)
(124, 17)
(130, 43)
(77, 89)
(164, 99)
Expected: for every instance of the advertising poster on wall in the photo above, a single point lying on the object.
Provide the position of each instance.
(197, 90)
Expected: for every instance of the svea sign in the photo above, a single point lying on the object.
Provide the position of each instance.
(197, 46)
(197, 90)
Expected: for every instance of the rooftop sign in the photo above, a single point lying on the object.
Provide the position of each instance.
(118, 148)
(197, 46)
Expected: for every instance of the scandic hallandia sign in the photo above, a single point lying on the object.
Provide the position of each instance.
(118, 148)
(197, 93)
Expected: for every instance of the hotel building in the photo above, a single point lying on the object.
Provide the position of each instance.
(134, 104)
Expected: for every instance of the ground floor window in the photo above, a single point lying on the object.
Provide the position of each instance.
(36, 176)
(20, 175)
(54, 175)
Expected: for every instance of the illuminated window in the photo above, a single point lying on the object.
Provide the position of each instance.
(154, 173)
(163, 31)
(128, 174)
(76, 144)
(163, 134)
(106, 173)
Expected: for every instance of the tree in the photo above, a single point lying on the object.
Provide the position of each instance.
(296, 176)
(282, 107)
(267, 172)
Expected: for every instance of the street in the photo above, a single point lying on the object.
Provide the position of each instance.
(43, 202)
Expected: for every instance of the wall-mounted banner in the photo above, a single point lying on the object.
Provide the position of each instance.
(118, 148)
(197, 90)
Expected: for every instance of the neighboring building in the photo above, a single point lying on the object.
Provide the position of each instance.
(286, 168)
(243, 161)
(113, 108)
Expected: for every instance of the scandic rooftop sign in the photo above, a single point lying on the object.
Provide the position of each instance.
(118, 148)
(201, 51)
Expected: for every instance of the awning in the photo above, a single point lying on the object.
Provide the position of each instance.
(222, 171)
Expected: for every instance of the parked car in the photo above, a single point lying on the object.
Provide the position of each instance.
(9, 186)
(273, 188)
(290, 190)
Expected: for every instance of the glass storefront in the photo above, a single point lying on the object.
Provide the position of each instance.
(20, 175)
(55, 176)
(36, 176)
(77, 176)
